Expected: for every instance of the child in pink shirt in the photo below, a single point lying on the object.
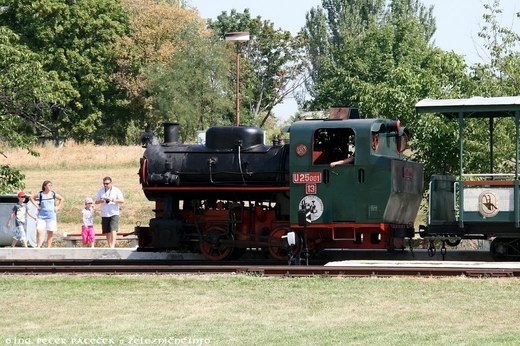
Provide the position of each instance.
(87, 229)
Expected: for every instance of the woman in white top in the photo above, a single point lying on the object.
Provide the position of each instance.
(45, 201)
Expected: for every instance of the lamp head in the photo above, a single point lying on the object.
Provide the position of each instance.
(237, 37)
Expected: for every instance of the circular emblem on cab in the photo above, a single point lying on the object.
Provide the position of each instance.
(314, 205)
(301, 150)
(488, 204)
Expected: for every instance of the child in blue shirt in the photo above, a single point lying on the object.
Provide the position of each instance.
(19, 214)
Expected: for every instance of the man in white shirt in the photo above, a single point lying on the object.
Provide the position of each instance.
(110, 197)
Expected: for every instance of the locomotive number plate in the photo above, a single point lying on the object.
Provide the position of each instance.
(308, 177)
(311, 189)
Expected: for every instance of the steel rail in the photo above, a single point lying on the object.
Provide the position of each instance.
(256, 270)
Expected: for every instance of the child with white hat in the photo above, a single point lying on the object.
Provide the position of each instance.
(87, 229)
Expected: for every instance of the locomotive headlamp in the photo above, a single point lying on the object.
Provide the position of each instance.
(389, 126)
(402, 141)
(291, 238)
(393, 126)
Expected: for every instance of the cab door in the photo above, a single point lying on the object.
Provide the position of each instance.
(342, 192)
(336, 147)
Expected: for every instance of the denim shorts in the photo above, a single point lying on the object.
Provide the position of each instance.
(20, 233)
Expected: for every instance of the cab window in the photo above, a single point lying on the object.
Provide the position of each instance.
(331, 145)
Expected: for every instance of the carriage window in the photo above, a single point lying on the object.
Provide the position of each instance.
(333, 145)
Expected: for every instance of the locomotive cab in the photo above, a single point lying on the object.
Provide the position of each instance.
(367, 199)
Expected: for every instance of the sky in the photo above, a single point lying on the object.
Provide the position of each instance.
(458, 24)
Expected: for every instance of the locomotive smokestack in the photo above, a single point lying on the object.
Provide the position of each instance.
(171, 132)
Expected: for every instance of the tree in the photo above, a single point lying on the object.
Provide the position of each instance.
(272, 66)
(500, 74)
(27, 95)
(497, 75)
(75, 40)
(379, 59)
(157, 33)
(192, 89)
(363, 43)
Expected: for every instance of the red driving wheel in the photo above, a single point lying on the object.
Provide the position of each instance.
(212, 245)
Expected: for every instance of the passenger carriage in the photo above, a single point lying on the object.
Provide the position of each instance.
(476, 206)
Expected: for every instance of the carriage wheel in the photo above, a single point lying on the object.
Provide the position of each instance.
(505, 248)
(278, 246)
(453, 242)
(211, 245)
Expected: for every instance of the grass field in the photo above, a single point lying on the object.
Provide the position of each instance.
(246, 310)
(77, 172)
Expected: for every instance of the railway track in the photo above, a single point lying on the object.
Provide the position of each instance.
(374, 270)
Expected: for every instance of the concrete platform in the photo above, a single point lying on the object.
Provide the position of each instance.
(429, 264)
(8, 253)
(19, 253)
(407, 255)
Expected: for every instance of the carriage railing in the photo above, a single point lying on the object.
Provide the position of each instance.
(466, 198)
(488, 179)
(490, 175)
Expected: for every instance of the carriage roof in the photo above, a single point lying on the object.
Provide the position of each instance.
(475, 107)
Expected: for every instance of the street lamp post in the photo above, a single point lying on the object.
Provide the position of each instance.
(237, 37)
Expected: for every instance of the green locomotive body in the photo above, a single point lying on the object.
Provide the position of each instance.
(371, 201)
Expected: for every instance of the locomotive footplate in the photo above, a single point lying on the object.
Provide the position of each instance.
(441, 229)
(402, 231)
(242, 243)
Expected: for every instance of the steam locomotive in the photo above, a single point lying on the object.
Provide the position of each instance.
(235, 193)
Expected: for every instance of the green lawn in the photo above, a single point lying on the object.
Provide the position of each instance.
(244, 310)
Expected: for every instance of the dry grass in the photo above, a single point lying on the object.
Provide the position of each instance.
(73, 156)
(77, 172)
